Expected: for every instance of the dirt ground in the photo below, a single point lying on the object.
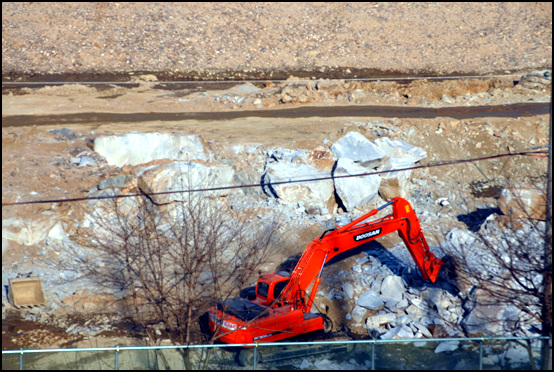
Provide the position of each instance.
(43, 153)
(45, 127)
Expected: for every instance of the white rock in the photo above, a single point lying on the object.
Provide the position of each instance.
(357, 269)
(183, 176)
(402, 320)
(29, 232)
(393, 288)
(305, 364)
(391, 304)
(371, 300)
(395, 184)
(460, 238)
(401, 154)
(358, 148)
(402, 304)
(398, 155)
(318, 196)
(348, 290)
(517, 354)
(412, 309)
(486, 316)
(378, 320)
(391, 334)
(358, 314)
(423, 329)
(447, 346)
(140, 148)
(327, 365)
(405, 332)
(438, 297)
(85, 160)
(354, 192)
(525, 202)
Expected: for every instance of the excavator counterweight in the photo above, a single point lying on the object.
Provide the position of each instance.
(282, 306)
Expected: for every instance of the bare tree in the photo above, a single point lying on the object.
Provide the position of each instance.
(504, 266)
(168, 263)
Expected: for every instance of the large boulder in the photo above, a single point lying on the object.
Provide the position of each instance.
(395, 184)
(177, 176)
(382, 154)
(392, 288)
(400, 153)
(523, 202)
(370, 300)
(316, 196)
(354, 191)
(140, 148)
(359, 149)
(31, 231)
(488, 316)
(321, 158)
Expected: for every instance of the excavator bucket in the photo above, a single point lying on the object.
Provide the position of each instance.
(26, 292)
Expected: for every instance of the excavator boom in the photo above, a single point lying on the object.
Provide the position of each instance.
(330, 244)
(282, 304)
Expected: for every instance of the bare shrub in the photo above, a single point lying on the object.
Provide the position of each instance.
(168, 263)
(504, 267)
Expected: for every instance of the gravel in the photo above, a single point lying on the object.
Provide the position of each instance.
(272, 40)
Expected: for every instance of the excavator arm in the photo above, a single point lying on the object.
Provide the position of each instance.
(332, 243)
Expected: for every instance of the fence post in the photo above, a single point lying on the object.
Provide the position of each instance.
(116, 366)
(481, 354)
(21, 359)
(255, 355)
(373, 355)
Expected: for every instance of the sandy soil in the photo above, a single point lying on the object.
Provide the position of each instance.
(273, 39)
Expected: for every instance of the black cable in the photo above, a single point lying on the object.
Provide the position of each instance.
(437, 164)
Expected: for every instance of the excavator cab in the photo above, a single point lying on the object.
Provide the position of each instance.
(270, 286)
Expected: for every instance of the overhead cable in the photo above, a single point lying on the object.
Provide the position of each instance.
(290, 181)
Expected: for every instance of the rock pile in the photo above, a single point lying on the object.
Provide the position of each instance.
(387, 297)
(355, 155)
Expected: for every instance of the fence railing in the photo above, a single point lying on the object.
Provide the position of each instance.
(438, 353)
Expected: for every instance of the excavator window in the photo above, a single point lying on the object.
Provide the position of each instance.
(279, 288)
(262, 289)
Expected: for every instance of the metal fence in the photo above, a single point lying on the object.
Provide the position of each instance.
(443, 353)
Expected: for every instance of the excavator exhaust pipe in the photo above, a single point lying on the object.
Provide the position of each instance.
(26, 292)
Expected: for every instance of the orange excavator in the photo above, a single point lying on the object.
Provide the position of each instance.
(282, 305)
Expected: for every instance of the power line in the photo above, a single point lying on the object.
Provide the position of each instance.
(211, 189)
